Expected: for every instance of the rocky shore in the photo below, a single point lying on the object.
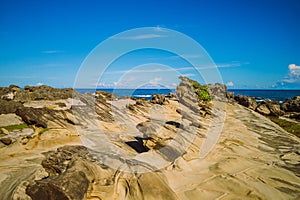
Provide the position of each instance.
(200, 143)
(286, 114)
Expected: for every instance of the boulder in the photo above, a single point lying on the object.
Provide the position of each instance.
(8, 96)
(172, 96)
(248, 102)
(3, 91)
(74, 173)
(14, 88)
(291, 105)
(218, 91)
(68, 186)
(22, 96)
(62, 183)
(9, 106)
(159, 99)
(6, 141)
(45, 117)
(8, 93)
(107, 96)
(34, 116)
(274, 108)
(9, 119)
(263, 109)
(32, 93)
(293, 115)
(230, 95)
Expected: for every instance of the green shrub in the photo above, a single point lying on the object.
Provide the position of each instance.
(201, 91)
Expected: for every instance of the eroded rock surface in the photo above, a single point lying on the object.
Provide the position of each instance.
(75, 174)
(9, 106)
(291, 105)
(102, 147)
(248, 102)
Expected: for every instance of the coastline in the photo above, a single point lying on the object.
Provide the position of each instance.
(276, 96)
(125, 147)
(259, 94)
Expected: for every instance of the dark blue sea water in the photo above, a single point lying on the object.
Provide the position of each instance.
(279, 95)
(138, 93)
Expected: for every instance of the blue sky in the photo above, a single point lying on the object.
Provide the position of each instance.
(255, 44)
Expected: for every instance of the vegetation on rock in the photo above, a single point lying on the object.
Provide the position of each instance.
(16, 127)
(289, 126)
(201, 91)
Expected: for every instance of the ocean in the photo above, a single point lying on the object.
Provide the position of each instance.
(138, 93)
(279, 95)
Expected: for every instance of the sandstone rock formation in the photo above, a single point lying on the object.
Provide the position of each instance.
(263, 109)
(9, 106)
(105, 95)
(74, 174)
(102, 147)
(159, 99)
(269, 108)
(291, 105)
(31, 93)
(218, 91)
(188, 96)
(248, 102)
(286, 114)
(274, 108)
(45, 117)
(230, 95)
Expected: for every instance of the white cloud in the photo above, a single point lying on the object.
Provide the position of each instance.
(186, 56)
(119, 84)
(150, 70)
(232, 64)
(104, 85)
(160, 70)
(294, 70)
(224, 65)
(52, 51)
(142, 37)
(155, 81)
(39, 84)
(294, 74)
(188, 75)
(159, 28)
(230, 84)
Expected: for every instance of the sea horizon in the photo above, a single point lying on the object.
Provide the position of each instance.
(270, 94)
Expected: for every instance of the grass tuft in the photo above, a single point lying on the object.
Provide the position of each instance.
(15, 127)
(43, 130)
